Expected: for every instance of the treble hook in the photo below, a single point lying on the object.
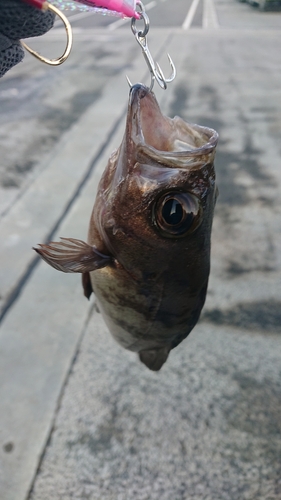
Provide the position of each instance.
(156, 72)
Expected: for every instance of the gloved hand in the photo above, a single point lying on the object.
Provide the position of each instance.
(19, 20)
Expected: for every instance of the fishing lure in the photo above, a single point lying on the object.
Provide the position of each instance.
(122, 8)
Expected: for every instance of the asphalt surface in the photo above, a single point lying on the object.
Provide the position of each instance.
(79, 416)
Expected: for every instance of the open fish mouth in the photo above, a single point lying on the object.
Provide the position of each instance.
(164, 138)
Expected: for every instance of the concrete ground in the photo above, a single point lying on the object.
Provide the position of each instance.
(80, 417)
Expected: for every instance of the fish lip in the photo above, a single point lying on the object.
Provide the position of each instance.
(137, 93)
(138, 90)
(190, 157)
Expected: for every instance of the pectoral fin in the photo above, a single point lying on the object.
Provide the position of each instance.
(72, 256)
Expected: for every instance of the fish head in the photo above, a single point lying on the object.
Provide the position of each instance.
(156, 199)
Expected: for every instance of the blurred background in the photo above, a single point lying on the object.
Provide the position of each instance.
(79, 416)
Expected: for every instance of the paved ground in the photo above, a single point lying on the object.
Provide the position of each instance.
(79, 416)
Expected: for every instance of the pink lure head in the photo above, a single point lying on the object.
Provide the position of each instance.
(123, 8)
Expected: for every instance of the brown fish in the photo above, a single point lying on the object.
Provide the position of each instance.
(148, 253)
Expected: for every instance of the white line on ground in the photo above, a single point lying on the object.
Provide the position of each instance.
(190, 15)
(210, 18)
(150, 5)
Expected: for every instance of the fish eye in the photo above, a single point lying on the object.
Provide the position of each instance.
(177, 214)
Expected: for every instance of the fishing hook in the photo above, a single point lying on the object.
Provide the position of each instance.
(156, 72)
(44, 5)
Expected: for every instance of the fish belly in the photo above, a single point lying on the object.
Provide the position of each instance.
(139, 320)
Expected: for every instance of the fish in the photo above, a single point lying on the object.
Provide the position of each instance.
(147, 258)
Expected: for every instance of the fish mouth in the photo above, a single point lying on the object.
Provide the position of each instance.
(161, 137)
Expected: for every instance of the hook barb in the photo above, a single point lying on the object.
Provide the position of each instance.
(174, 71)
(129, 81)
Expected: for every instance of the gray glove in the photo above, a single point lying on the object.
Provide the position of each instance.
(19, 20)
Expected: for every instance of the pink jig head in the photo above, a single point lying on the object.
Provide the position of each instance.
(121, 8)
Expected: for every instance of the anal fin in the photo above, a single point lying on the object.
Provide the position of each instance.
(154, 358)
